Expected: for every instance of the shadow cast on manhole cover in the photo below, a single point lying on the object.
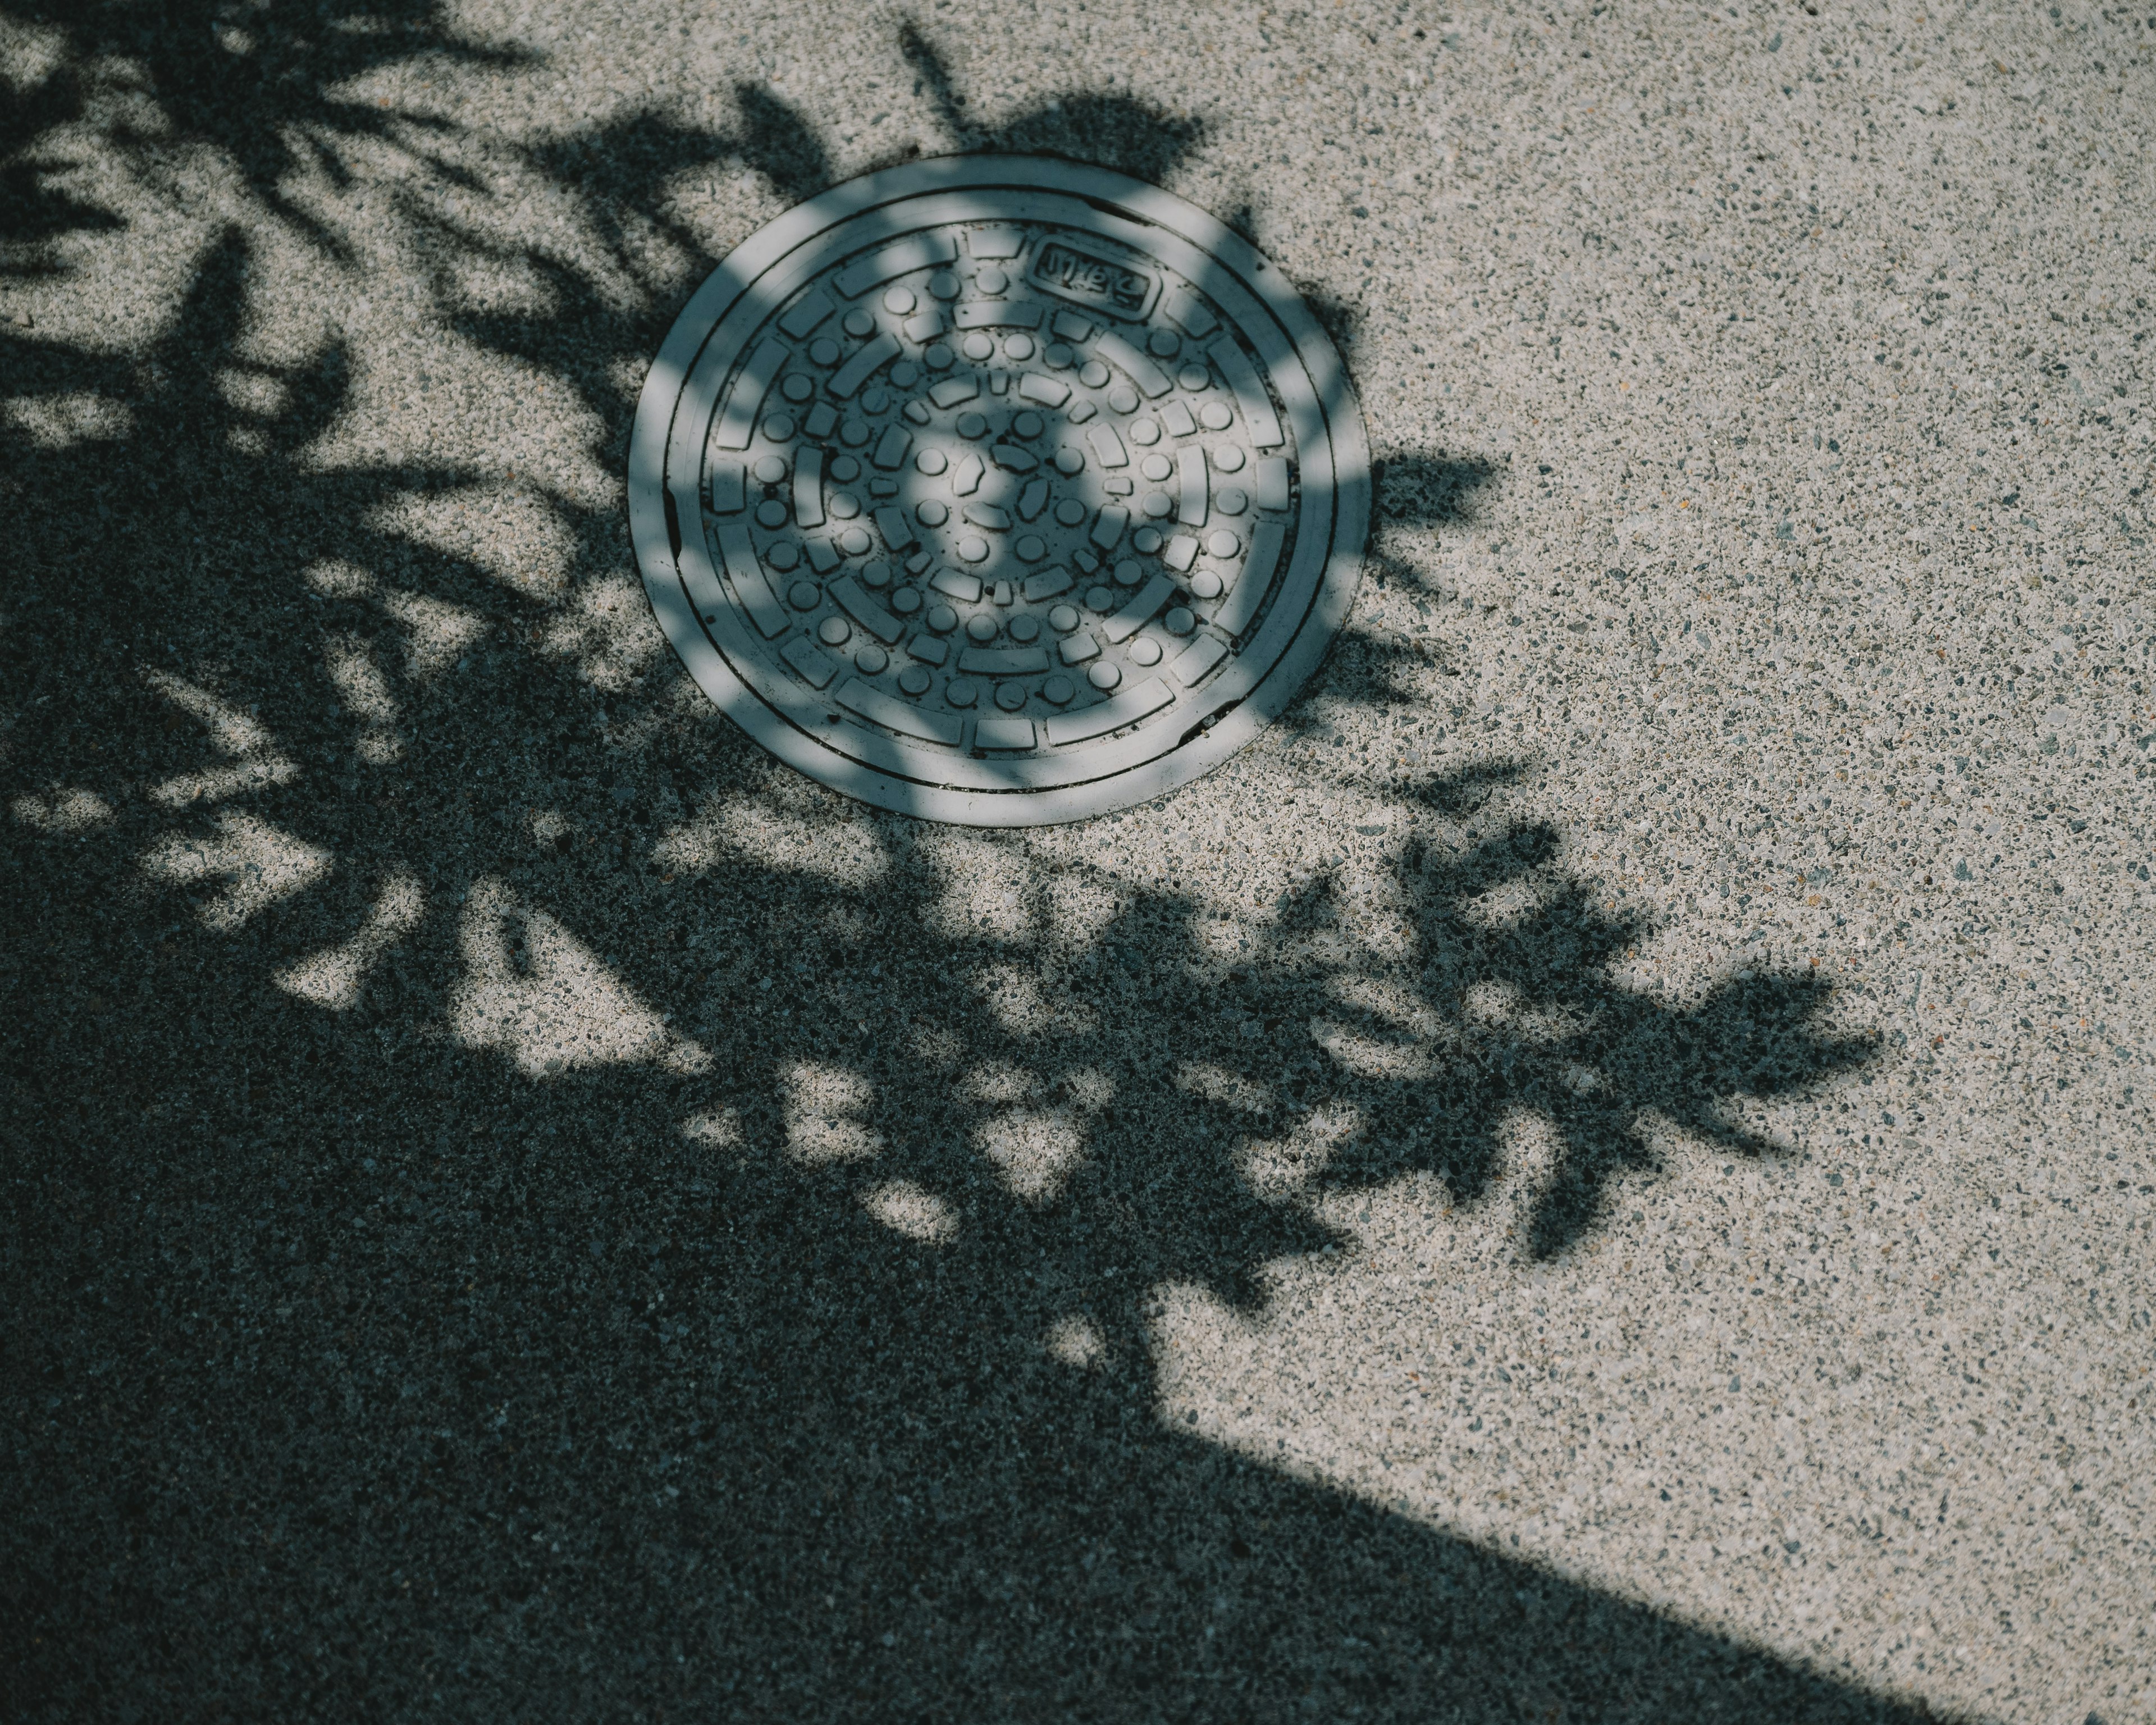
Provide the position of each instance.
(999, 489)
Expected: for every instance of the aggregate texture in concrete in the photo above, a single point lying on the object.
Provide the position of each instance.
(1599, 1170)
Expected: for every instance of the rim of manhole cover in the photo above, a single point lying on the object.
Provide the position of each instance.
(999, 489)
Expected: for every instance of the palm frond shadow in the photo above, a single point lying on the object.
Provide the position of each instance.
(721, 1273)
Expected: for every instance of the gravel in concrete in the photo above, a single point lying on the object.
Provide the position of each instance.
(1600, 1171)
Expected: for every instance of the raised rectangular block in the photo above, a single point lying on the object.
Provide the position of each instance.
(1194, 661)
(1069, 326)
(966, 476)
(705, 592)
(809, 311)
(1046, 584)
(1134, 616)
(1077, 649)
(815, 665)
(965, 589)
(997, 242)
(738, 553)
(1250, 394)
(822, 418)
(729, 488)
(924, 326)
(999, 314)
(1033, 499)
(1191, 482)
(1180, 552)
(1012, 459)
(737, 424)
(1047, 391)
(856, 604)
(954, 390)
(1175, 417)
(908, 721)
(919, 253)
(1108, 526)
(1148, 698)
(1004, 734)
(1267, 540)
(929, 650)
(1108, 446)
(822, 556)
(892, 448)
(1003, 661)
(1184, 308)
(1269, 483)
(1093, 275)
(897, 531)
(864, 366)
(1133, 364)
(809, 487)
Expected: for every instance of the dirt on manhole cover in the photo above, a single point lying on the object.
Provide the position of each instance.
(998, 489)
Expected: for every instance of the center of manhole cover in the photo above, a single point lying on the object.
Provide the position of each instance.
(998, 489)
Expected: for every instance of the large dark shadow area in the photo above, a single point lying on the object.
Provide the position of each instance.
(596, 1294)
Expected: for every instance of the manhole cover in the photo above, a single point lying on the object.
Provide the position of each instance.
(998, 489)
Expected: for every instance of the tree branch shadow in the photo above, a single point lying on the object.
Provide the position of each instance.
(705, 1246)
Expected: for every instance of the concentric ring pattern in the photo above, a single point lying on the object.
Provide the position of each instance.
(998, 489)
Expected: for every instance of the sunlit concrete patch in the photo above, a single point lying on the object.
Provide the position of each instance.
(514, 535)
(715, 1129)
(1384, 998)
(335, 579)
(1369, 1056)
(255, 864)
(989, 888)
(606, 628)
(261, 393)
(1076, 1342)
(255, 764)
(1225, 1089)
(65, 809)
(937, 1047)
(58, 421)
(1076, 908)
(1504, 1006)
(999, 1082)
(1513, 902)
(332, 979)
(536, 993)
(491, 284)
(845, 853)
(1280, 1169)
(435, 632)
(1551, 1410)
(913, 1211)
(1025, 1006)
(824, 1106)
(365, 691)
(1033, 1151)
(32, 52)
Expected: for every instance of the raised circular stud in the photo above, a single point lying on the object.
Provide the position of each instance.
(1005, 386)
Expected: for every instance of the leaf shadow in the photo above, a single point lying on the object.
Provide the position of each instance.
(824, 1376)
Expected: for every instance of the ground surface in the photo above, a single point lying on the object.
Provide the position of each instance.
(1601, 1171)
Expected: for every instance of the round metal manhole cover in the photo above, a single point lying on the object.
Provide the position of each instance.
(998, 489)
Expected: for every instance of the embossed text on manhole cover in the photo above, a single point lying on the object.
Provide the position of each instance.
(998, 489)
